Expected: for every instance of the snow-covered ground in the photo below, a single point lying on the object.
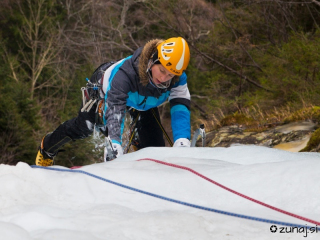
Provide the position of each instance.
(44, 204)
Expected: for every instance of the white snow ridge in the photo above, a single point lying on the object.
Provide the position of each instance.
(44, 204)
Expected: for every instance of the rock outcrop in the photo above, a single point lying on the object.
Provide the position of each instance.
(291, 137)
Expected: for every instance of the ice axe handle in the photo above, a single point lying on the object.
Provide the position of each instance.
(200, 131)
(111, 153)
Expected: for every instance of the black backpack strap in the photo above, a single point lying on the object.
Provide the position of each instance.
(98, 73)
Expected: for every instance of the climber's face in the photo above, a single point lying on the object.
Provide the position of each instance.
(161, 77)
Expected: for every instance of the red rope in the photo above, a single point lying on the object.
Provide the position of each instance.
(230, 190)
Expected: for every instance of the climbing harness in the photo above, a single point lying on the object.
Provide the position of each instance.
(92, 95)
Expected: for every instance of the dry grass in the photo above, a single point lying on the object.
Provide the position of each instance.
(255, 119)
(308, 113)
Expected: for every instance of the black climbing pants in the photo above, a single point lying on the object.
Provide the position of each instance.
(149, 130)
(82, 126)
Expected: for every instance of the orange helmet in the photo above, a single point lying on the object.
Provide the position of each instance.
(174, 55)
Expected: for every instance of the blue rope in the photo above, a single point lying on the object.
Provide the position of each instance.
(181, 202)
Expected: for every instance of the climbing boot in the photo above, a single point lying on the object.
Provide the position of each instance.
(43, 158)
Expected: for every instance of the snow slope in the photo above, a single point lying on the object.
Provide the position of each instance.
(44, 204)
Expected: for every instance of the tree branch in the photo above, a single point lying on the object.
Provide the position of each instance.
(230, 69)
(236, 36)
(316, 2)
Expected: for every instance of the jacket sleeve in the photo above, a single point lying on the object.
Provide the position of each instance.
(180, 109)
(115, 105)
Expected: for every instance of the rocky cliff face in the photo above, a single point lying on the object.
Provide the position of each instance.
(291, 137)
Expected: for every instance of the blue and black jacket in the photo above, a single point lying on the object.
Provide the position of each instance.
(126, 84)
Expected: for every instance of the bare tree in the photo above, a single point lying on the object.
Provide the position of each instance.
(41, 41)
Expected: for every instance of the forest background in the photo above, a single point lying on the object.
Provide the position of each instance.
(254, 58)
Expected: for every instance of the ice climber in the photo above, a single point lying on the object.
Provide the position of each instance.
(137, 83)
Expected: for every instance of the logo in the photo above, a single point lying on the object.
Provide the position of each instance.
(167, 48)
(273, 228)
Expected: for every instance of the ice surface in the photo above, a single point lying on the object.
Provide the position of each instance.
(42, 204)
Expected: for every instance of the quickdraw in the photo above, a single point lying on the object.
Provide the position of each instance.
(90, 95)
